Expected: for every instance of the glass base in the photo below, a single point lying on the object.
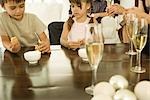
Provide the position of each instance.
(131, 53)
(137, 69)
(33, 62)
(89, 90)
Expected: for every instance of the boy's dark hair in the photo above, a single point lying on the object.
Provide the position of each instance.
(70, 21)
(5, 1)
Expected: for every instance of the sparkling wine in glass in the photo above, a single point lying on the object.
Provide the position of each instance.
(139, 40)
(130, 29)
(94, 48)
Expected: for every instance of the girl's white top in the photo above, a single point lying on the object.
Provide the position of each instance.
(78, 30)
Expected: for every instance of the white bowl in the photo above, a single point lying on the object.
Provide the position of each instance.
(82, 54)
(32, 56)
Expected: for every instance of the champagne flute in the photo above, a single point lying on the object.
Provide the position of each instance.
(130, 29)
(94, 49)
(139, 40)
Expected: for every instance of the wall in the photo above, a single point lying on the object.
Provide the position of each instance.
(127, 3)
(48, 10)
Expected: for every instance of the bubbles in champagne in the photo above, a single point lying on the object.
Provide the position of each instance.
(94, 52)
(139, 41)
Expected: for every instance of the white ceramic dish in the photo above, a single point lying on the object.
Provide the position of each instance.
(32, 56)
(82, 54)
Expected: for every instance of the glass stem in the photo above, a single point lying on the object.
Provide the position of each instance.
(94, 76)
(131, 46)
(131, 61)
(139, 60)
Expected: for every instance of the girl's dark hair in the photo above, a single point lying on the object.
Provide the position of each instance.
(78, 2)
(5, 1)
(70, 21)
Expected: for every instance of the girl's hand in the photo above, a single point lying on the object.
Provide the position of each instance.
(82, 41)
(44, 47)
(74, 45)
(14, 45)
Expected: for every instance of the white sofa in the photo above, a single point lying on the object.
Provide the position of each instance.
(48, 10)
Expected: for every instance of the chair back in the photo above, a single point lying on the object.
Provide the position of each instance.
(55, 30)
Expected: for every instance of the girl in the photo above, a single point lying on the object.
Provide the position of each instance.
(19, 29)
(73, 33)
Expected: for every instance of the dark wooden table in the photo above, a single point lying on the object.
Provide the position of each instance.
(63, 75)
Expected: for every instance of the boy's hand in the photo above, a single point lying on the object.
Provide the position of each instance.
(15, 45)
(44, 47)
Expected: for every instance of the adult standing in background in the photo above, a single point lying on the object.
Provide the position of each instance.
(145, 5)
(143, 11)
(120, 8)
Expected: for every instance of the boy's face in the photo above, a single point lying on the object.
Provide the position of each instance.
(15, 10)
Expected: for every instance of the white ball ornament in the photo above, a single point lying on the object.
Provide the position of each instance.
(102, 97)
(124, 94)
(142, 90)
(104, 88)
(118, 82)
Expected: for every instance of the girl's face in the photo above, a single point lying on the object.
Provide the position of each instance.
(14, 9)
(78, 11)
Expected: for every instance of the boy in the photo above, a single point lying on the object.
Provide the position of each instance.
(19, 29)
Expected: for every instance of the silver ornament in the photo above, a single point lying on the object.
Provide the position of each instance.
(101, 97)
(124, 94)
(103, 88)
(118, 82)
(142, 90)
